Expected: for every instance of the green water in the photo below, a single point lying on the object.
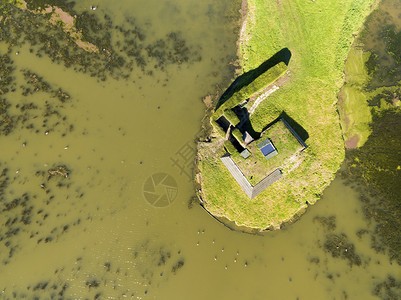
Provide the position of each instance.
(100, 233)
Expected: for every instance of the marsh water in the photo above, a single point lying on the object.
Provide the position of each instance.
(83, 215)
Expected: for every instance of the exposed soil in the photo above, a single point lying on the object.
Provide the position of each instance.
(352, 142)
(395, 101)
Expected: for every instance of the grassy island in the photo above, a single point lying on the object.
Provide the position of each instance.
(292, 55)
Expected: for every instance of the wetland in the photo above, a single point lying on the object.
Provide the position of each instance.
(82, 133)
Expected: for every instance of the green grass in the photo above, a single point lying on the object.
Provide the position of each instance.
(319, 36)
(353, 106)
(16, 3)
(257, 167)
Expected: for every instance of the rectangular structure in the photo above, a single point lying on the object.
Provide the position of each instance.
(250, 191)
(267, 149)
(237, 174)
(245, 154)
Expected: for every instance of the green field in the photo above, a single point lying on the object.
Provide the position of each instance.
(319, 35)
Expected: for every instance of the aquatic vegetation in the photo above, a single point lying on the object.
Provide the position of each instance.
(33, 113)
(153, 261)
(388, 289)
(370, 110)
(377, 166)
(6, 85)
(22, 214)
(328, 222)
(84, 41)
(40, 216)
(336, 243)
(385, 64)
(177, 266)
(339, 247)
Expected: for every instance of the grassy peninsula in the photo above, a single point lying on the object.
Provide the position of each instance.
(318, 35)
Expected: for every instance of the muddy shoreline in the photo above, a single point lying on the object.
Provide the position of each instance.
(210, 102)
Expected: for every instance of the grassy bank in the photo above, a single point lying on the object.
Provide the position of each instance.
(319, 35)
(353, 106)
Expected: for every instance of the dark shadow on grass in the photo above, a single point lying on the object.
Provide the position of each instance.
(247, 126)
(303, 134)
(223, 123)
(284, 55)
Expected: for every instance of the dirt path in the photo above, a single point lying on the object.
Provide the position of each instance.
(262, 97)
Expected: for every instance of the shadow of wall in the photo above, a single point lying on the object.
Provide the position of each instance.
(284, 55)
(303, 134)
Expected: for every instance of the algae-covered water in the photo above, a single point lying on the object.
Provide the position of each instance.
(96, 157)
